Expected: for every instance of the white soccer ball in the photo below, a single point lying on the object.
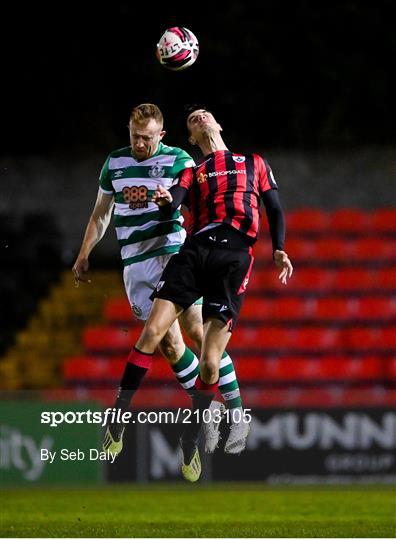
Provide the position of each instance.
(178, 48)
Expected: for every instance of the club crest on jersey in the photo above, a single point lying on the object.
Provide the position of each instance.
(156, 171)
(202, 177)
(137, 310)
(239, 159)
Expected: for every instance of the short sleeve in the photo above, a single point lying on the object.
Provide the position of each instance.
(182, 161)
(104, 178)
(265, 175)
(185, 178)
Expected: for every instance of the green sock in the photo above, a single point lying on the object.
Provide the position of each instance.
(186, 369)
(228, 383)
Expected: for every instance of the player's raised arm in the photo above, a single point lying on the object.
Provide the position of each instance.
(276, 221)
(97, 225)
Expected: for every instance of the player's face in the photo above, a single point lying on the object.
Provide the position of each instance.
(200, 123)
(145, 138)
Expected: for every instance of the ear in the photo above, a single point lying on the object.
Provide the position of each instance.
(162, 134)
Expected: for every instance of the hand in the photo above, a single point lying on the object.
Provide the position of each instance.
(161, 196)
(80, 270)
(282, 260)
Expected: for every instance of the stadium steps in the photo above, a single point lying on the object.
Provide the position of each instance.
(54, 331)
(329, 337)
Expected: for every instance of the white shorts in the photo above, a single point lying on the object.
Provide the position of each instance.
(140, 280)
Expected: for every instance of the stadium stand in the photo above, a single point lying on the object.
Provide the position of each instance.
(328, 338)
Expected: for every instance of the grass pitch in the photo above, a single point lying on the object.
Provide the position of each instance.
(180, 510)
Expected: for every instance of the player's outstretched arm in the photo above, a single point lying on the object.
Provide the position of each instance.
(282, 261)
(97, 225)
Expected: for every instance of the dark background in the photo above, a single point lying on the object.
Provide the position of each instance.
(304, 75)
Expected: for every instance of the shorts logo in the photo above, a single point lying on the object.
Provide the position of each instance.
(239, 159)
(137, 310)
(223, 308)
(160, 285)
(156, 171)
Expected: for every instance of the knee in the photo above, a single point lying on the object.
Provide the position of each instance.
(210, 369)
(151, 335)
(195, 333)
(171, 349)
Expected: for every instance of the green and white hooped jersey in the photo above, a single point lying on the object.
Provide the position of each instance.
(141, 231)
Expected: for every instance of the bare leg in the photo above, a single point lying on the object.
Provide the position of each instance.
(162, 315)
(192, 324)
(215, 339)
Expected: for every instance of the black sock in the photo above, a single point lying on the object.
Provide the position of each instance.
(130, 382)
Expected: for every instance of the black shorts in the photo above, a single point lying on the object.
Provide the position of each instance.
(207, 268)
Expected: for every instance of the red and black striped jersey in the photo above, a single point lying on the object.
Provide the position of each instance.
(226, 188)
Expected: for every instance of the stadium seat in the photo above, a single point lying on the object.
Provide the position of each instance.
(307, 220)
(315, 339)
(278, 309)
(349, 220)
(374, 250)
(118, 311)
(311, 280)
(390, 369)
(383, 220)
(260, 338)
(355, 279)
(378, 308)
(385, 279)
(332, 249)
(110, 340)
(333, 309)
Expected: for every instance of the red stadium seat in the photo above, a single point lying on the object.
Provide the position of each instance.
(277, 309)
(264, 280)
(386, 279)
(260, 337)
(311, 280)
(110, 340)
(383, 220)
(256, 309)
(355, 279)
(369, 338)
(390, 368)
(378, 308)
(118, 310)
(374, 249)
(349, 220)
(332, 249)
(315, 339)
(333, 308)
(307, 220)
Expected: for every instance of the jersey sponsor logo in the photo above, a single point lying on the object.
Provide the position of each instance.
(224, 173)
(239, 159)
(136, 196)
(156, 171)
(117, 174)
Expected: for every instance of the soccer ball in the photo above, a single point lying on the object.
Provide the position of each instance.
(178, 48)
